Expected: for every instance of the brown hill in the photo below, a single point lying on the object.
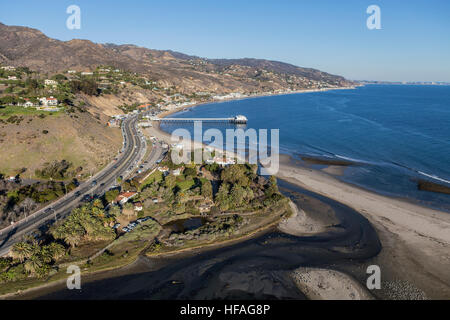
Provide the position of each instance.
(22, 46)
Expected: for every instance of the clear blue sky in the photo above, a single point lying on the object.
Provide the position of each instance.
(330, 35)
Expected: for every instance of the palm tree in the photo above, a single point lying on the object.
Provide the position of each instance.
(33, 265)
(57, 251)
(21, 251)
(45, 254)
(72, 239)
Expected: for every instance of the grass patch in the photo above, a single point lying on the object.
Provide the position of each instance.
(156, 176)
(8, 111)
(185, 185)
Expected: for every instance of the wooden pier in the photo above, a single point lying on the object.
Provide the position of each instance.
(237, 119)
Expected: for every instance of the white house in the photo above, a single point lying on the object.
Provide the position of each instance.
(164, 170)
(12, 78)
(9, 68)
(123, 197)
(222, 161)
(138, 206)
(27, 103)
(49, 102)
(178, 171)
(49, 82)
(87, 73)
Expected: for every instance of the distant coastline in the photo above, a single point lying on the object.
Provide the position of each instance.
(179, 109)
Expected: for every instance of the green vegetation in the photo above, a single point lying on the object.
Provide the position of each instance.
(127, 108)
(88, 223)
(87, 86)
(57, 170)
(29, 258)
(9, 113)
(18, 201)
(233, 202)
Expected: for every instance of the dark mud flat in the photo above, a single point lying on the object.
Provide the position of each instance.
(425, 185)
(253, 269)
(327, 162)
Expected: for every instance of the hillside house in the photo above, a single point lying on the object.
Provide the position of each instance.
(138, 206)
(177, 171)
(113, 123)
(164, 170)
(205, 207)
(27, 103)
(123, 197)
(222, 161)
(49, 82)
(49, 102)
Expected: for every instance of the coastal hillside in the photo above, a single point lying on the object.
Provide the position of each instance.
(22, 46)
(91, 82)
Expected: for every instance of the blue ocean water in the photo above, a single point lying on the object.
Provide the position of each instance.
(398, 132)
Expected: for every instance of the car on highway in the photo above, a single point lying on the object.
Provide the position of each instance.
(77, 194)
(87, 198)
(94, 183)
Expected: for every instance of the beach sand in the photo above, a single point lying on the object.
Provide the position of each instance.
(324, 284)
(304, 223)
(415, 239)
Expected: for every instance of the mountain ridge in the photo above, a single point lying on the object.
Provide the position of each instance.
(24, 46)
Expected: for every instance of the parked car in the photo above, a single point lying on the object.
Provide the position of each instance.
(116, 226)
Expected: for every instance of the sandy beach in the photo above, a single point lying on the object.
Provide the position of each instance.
(415, 239)
(324, 284)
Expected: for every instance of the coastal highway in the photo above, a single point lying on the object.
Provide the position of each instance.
(133, 150)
